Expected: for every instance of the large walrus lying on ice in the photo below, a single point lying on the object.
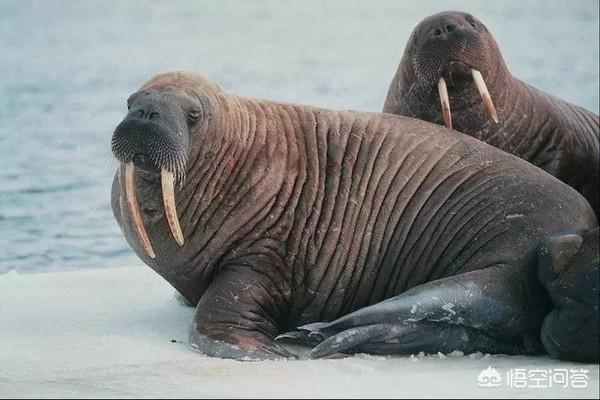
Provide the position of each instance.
(270, 215)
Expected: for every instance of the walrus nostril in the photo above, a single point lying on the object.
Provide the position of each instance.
(444, 29)
(146, 114)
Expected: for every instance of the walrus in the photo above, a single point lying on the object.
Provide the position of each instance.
(568, 269)
(270, 215)
(452, 72)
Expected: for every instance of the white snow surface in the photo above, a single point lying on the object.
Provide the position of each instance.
(108, 333)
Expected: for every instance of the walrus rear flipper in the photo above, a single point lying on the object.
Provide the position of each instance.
(568, 269)
(414, 337)
(486, 310)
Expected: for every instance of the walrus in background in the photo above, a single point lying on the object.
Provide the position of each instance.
(270, 215)
(452, 72)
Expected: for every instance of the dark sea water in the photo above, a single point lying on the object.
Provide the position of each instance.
(67, 67)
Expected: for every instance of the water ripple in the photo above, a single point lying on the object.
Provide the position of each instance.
(67, 71)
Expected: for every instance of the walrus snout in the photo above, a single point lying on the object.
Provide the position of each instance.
(152, 144)
(444, 38)
(153, 137)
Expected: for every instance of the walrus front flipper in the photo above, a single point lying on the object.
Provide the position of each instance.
(487, 310)
(237, 315)
(568, 269)
(246, 349)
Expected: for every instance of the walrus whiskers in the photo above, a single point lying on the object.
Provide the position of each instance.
(443, 90)
(168, 193)
(134, 209)
(485, 94)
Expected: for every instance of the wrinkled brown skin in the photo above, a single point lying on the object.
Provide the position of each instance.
(552, 134)
(294, 214)
(557, 136)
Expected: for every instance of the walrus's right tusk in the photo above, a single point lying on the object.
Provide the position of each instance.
(443, 90)
(168, 193)
(134, 210)
(485, 94)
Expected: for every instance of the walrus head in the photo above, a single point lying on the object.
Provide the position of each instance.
(154, 139)
(453, 50)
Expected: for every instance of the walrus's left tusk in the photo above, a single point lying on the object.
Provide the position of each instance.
(443, 91)
(131, 196)
(485, 94)
(168, 192)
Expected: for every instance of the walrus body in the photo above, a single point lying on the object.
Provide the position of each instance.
(292, 215)
(445, 49)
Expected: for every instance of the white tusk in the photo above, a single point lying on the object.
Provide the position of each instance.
(443, 91)
(168, 192)
(134, 209)
(485, 94)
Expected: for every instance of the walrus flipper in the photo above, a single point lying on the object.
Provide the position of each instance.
(414, 337)
(568, 269)
(237, 315)
(247, 350)
(485, 310)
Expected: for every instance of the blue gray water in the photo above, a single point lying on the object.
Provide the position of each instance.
(66, 68)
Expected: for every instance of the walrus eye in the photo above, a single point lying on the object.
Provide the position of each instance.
(194, 115)
(471, 21)
(130, 101)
